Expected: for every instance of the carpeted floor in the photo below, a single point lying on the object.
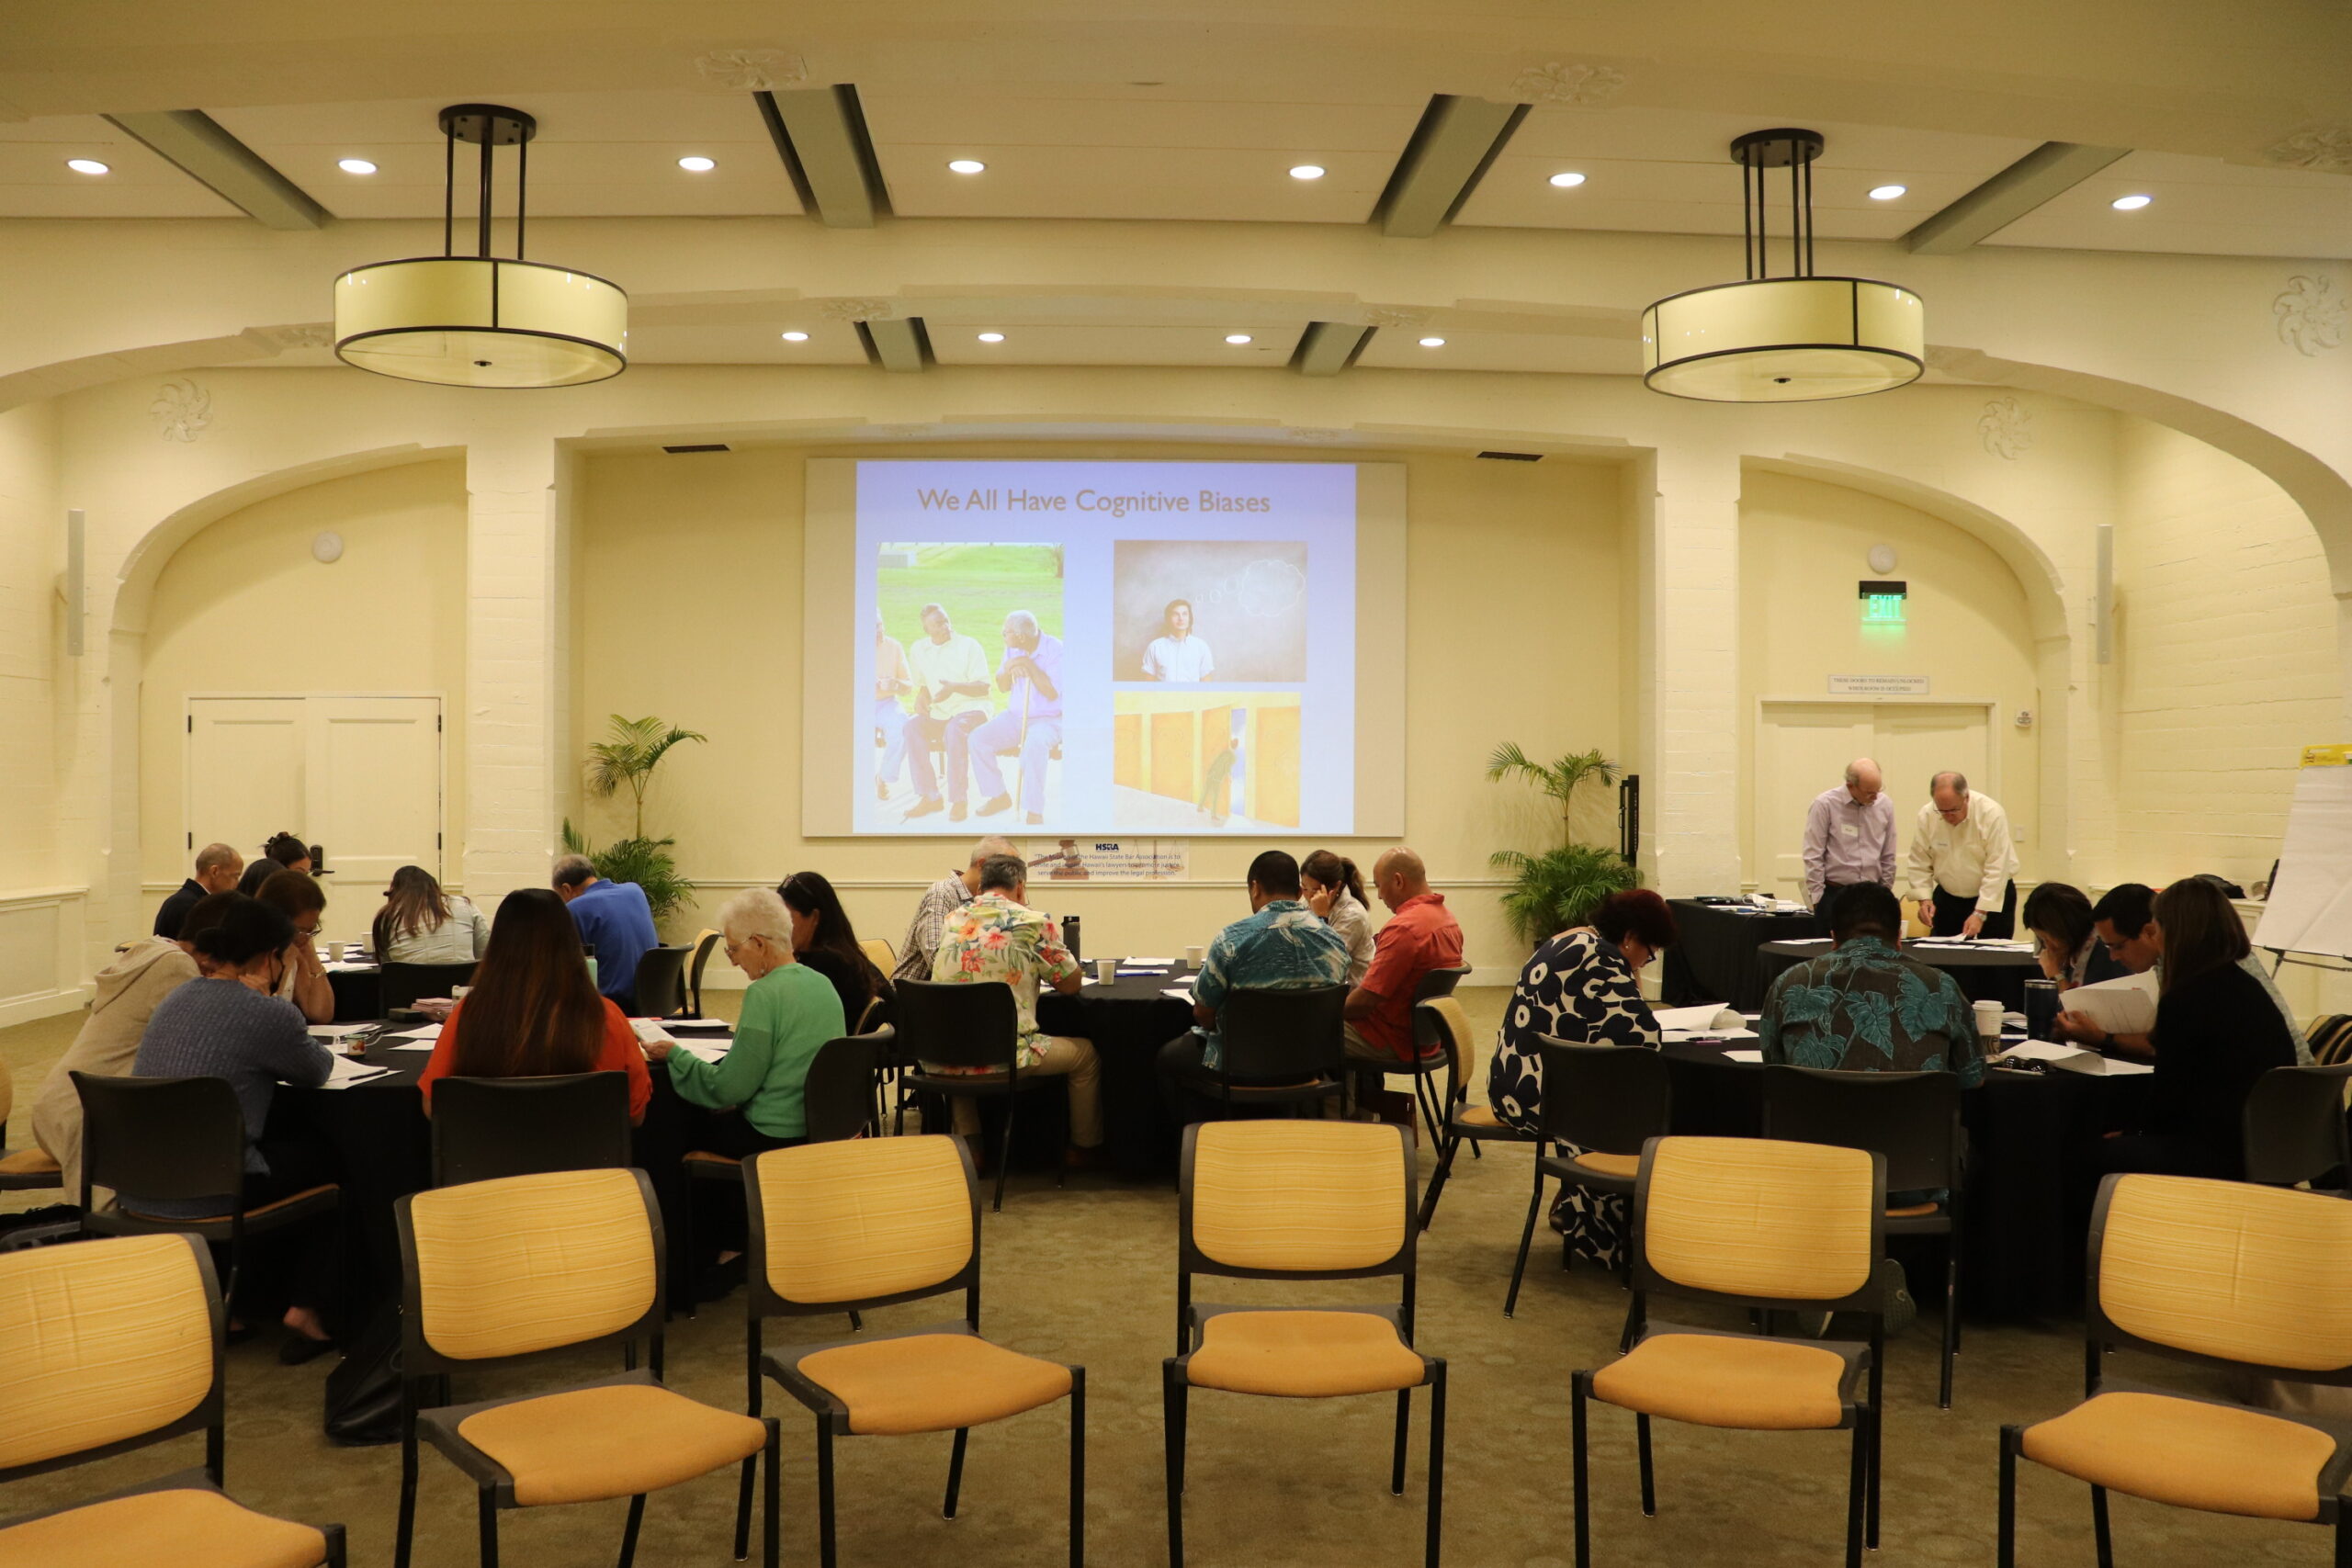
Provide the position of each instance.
(1086, 1275)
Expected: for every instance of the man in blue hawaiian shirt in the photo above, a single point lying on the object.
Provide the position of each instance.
(1864, 1007)
(1282, 946)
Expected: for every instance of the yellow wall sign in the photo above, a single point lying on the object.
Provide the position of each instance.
(2328, 756)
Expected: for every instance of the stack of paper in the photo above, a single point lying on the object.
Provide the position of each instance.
(349, 1070)
(2073, 1059)
(1705, 1017)
(2121, 1007)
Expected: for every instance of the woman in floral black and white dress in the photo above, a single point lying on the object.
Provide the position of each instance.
(1581, 986)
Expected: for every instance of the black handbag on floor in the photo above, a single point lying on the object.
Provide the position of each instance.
(364, 1390)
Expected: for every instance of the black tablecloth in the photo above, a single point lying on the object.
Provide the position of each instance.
(1984, 977)
(358, 993)
(1713, 959)
(1128, 1021)
(2031, 1135)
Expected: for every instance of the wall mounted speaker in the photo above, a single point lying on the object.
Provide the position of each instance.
(2103, 596)
(70, 585)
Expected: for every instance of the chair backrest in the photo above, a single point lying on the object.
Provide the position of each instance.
(884, 956)
(1911, 1118)
(1760, 1222)
(1440, 983)
(1295, 1199)
(1284, 1035)
(527, 1264)
(838, 1094)
(2331, 1039)
(107, 1346)
(1440, 1024)
(175, 1138)
(404, 983)
(659, 986)
(864, 1223)
(1609, 1099)
(487, 1128)
(953, 1025)
(2295, 1129)
(706, 942)
(2222, 1273)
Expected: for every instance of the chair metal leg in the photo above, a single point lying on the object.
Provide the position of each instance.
(1579, 1387)
(2099, 1531)
(1649, 1481)
(628, 1531)
(954, 1472)
(2006, 1551)
(2344, 1539)
(336, 1549)
(1526, 1240)
(1445, 1151)
(1078, 1467)
(489, 1511)
(826, 1556)
(750, 1408)
(406, 1532)
(856, 1323)
(1171, 1398)
(1403, 1420)
(1878, 1436)
(1951, 1314)
(1855, 1481)
(772, 1528)
(1423, 1096)
(1004, 1149)
(1437, 1465)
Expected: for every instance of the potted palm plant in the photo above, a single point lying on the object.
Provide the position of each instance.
(626, 761)
(1558, 887)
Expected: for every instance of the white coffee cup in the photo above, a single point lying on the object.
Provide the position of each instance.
(1106, 970)
(1192, 956)
(458, 993)
(1988, 1020)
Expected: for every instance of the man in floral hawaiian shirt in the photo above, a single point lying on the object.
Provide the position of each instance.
(1864, 1007)
(997, 937)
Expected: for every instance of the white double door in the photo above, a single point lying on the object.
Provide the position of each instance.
(360, 777)
(1802, 749)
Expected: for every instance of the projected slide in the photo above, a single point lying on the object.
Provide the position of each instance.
(1160, 648)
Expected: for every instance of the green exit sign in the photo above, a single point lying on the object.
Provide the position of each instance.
(1883, 602)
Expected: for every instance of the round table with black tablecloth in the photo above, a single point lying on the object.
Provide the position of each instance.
(358, 993)
(1714, 957)
(2030, 1136)
(1985, 974)
(1128, 1021)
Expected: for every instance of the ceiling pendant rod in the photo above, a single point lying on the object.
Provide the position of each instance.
(522, 191)
(484, 250)
(448, 191)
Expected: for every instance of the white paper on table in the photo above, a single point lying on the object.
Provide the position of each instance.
(2040, 1051)
(2075, 1059)
(1181, 993)
(411, 1046)
(1677, 1036)
(428, 1032)
(345, 967)
(339, 1031)
(1753, 1056)
(648, 1030)
(1146, 962)
(705, 1050)
(1706, 1016)
(718, 1025)
(2121, 1007)
(348, 1070)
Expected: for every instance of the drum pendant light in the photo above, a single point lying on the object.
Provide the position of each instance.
(1797, 338)
(481, 321)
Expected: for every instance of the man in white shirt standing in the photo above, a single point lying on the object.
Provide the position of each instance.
(1179, 656)
(1848, 836)
(951, 688)
(1963, 867)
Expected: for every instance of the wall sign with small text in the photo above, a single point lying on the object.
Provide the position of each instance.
(1878, 685)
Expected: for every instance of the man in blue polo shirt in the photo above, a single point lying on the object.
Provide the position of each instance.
(615, 921)
(1283, 946)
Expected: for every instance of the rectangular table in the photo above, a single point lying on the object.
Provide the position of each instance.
(1714, 958)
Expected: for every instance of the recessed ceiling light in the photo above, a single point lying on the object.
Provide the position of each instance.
(1237, 337)
(2131, 203)
(991, 337)
(795, 337)
(1887, 193)
(696, 165)
(86, 166)
(1307, 171)
(1432, 343)
(1567, 178)
(966, 165)
(354, 166)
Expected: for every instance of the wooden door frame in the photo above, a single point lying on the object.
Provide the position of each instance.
(440, 755)
(1991, 785)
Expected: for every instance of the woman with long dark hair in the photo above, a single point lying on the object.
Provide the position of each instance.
(1334, 889)
(533, 1012)
(823, 938)
(2066, 937)
(420, 924)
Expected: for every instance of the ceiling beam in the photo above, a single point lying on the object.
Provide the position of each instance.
(2048, 171)
(896, 344)
(1326, 348)
(196, 142)
(820, 132)
(1440, 166)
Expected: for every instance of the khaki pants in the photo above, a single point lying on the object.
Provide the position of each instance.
(1062, 1055)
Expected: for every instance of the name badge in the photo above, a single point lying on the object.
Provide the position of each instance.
(1850, 830)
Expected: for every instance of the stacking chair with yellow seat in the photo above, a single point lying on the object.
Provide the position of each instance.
(527, 1266)
(871, 1223)
(705, 941)
(1767, 1225)
(880, 953)
(1299, 1200)
(2225, 1274)
(1475, 1125)
(111, 1346)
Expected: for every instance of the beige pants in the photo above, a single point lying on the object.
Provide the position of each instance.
(1062, 1055)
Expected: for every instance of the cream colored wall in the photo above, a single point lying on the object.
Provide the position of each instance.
(2225, 632)
(1803, 545)
(689, 584)
(242, 607)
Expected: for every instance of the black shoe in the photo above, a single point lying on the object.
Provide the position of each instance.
(301, 1350)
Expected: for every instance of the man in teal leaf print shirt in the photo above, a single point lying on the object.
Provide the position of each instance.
(1864, 1007)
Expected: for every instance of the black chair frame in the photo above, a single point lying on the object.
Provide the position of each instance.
(986, 1035)
(704, 946)
(1280, 1048)
(1459, 1126)
(488, 1128)
(2295, 1126)
(659, 986)
(1433, 1051)
(404, 983)
(28, 1181)
(1609, 1099)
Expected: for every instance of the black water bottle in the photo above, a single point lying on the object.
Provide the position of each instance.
(2041, 1009)
(1069, 938)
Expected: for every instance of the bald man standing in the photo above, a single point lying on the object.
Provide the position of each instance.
(1848, 836)
(1964, 862)
(1421, 935)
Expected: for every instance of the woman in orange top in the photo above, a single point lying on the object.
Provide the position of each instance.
(533, 1012)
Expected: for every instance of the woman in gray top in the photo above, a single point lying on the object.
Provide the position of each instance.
(227, 1025)
(420, 924)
